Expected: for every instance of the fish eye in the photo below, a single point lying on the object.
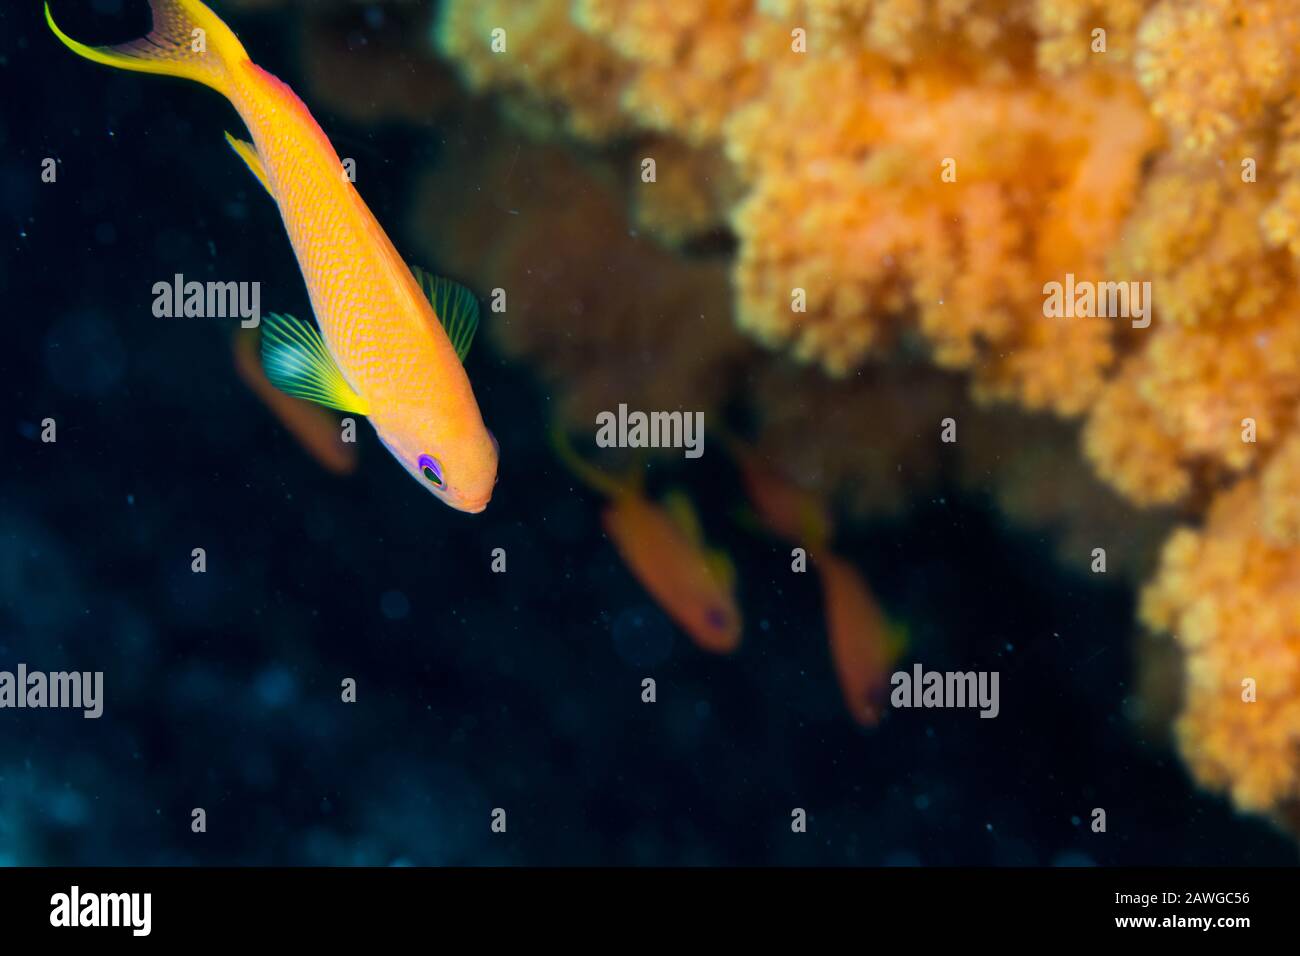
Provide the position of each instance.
(431, 469)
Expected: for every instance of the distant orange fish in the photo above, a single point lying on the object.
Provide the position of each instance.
(863, 644)
(315, 429)
(789, 511)
(663, 547)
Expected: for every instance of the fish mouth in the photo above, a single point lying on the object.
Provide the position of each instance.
(473, 507)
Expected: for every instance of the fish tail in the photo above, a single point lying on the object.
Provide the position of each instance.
(187, 40)
(589, 474)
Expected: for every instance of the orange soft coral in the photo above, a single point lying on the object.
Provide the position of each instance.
(1066, 32)
(1172, 158)
(1195, 236)
(855, 211)
(1231, 598)
(692, 190)
(1214, 67)
(690, 67)
(558, 75)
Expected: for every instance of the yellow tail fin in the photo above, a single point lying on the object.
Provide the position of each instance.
(187, 40)
(587, 473)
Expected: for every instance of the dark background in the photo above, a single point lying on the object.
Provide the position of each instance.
(476, 690)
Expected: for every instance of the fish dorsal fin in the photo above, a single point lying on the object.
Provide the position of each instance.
(898, 640)
(454, 305)
(248, 153)
(298, 363)
(814, 523)
(721, 567)
(683, 515)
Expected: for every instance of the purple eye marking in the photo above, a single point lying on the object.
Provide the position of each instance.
(430, 468)
(716, 617)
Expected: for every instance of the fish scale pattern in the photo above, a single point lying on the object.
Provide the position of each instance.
(371, 314)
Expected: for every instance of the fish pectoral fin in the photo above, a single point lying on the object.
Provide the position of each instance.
(454, 305)
(248, 153)
(298, 363)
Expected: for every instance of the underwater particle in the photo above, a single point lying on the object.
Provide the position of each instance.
(394, 605)
(642, 637)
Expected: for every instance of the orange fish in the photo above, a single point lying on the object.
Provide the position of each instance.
(789, 511)
(663, 547)
(314, 428)
(391, 341)
(863, 644)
